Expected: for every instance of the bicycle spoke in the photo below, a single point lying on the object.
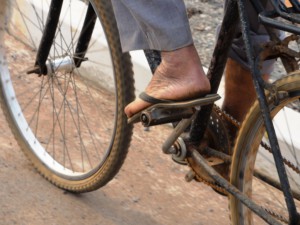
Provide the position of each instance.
(66, 118)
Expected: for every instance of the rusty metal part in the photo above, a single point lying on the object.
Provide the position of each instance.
(217, 154)
(230, 119)
(170, 146)
(213, 185)
(275, 49)
(286, 162)
(277, 216)
(230, 188)
(197, 174)
(190, 176)
(216, 137)
(227, 117)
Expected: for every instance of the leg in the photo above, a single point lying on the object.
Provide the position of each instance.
(239, 91)
(152, 24)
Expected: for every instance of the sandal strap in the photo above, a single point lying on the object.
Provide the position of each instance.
(147, 98)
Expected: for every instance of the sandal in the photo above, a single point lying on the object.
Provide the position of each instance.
(169, 104)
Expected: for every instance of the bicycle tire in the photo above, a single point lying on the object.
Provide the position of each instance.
(71, 125)
(253, 169)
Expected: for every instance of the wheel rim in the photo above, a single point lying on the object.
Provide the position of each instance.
(68, 118)
(264, 187)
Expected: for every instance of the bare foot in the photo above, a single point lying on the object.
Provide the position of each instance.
(179, 77)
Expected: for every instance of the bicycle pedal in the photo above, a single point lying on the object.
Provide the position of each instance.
(162, 113)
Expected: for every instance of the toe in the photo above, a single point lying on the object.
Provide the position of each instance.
(135, 107)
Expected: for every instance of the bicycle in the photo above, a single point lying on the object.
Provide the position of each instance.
(48, 104)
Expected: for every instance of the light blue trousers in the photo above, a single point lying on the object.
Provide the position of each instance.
(163, 25)
(152, 24)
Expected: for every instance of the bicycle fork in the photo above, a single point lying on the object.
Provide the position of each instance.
(44, 65)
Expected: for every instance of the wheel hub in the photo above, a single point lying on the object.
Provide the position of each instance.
(65, 64)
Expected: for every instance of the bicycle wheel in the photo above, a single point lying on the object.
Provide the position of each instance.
(253, 170)
(69, 122)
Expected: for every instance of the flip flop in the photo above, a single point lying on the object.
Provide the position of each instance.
(163, 103)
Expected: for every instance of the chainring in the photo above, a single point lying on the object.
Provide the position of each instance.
(218, 138)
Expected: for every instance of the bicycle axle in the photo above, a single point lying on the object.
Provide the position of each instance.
(63, 64)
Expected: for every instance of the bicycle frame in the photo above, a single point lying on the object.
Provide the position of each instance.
(234, 10)
(215, 73)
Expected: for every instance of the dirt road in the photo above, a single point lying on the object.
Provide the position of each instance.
(150, 189)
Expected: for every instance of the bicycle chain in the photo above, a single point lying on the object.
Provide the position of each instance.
(234, 122)
(227, 116)
(277, 216)
(287, 162)
(222, 190)
(214, 186)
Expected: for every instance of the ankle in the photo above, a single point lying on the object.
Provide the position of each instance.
(185, 54)
(184, 60)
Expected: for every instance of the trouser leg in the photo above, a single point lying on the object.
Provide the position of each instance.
(152, 24)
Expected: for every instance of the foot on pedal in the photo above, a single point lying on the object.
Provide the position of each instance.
(166, 111)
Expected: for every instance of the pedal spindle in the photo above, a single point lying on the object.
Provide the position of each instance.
(157, 116)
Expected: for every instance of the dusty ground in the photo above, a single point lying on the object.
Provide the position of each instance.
(150, 188)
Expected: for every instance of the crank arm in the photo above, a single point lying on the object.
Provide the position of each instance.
(178, 130)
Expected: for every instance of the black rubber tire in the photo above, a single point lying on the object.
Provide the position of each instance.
(120, 138)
